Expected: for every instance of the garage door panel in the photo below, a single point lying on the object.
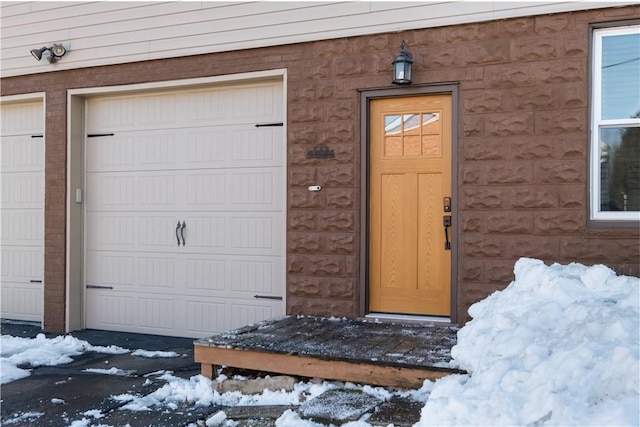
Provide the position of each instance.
(239, 276)
(130, 191)
(206, 234)
(156, 312)
(221, 106)
(257, 189)
(110, 269)
(243, 314)
(232, 233)
(132, 112)
(237, 190)
(179, 315)
(261, 275)
(214, 233)
(206, 274)
(206, 106)
(253, 234)
(204, 316)
(183, 148)
(216, 195)
(22, 153)
(115, 232)
(132, 151)
(22, 301)
(22, 118)
(154, 271)
(206, 147)
(21, 227)
(23, 190)
(257, 146)
(130, 270)
(110, 310)
(154, 233)
(21, 264)
(257, 102)
(110, 192)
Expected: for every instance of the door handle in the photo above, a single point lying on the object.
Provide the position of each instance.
(446, 221)
(177, 233)
(184, 225)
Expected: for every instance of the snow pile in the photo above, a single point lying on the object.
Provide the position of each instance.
(559, 346)
(42, 351)
(198, 391)
(216, 419)
(111, 371)
(154, 354)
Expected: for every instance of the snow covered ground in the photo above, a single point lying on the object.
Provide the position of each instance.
(559, 346)
(42, 351)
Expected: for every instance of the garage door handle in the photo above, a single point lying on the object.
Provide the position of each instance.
(184, 225)
(178, 233)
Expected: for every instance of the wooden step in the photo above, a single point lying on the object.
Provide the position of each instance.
(395, 355)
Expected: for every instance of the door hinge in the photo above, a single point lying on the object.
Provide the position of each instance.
(267, 297)
(99, 287)
(97, 135)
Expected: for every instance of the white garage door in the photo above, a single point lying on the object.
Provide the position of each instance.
(185, 210)
(22, 211)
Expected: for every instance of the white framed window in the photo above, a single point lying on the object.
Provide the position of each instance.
(615, 124)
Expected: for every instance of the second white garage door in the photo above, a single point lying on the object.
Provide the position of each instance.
(185, 210)
(21, 210)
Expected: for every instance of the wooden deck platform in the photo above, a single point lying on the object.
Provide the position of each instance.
(387, 354)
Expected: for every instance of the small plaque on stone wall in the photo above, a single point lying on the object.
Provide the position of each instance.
(321, 151)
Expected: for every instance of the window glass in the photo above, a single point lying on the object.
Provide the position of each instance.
(620, 169)
(413, 135)
(620, 76)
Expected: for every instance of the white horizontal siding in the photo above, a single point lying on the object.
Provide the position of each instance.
(103, 33)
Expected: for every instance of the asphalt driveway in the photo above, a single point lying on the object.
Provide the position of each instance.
(66, 393)
(80, 394)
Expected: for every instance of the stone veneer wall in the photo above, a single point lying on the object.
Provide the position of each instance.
(522, 150)
(522, 154)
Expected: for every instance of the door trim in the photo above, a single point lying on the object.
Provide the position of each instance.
(366, 96)
(76, 110)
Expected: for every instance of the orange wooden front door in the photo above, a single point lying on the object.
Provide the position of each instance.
(410, 177)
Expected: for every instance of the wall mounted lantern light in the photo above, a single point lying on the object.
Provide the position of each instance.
(56, 52)
(402, 66)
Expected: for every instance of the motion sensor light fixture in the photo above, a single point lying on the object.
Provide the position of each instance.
(402, 66)
(56, 52)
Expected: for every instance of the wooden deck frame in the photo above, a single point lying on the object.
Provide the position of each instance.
(390, 376)
(246, 349)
